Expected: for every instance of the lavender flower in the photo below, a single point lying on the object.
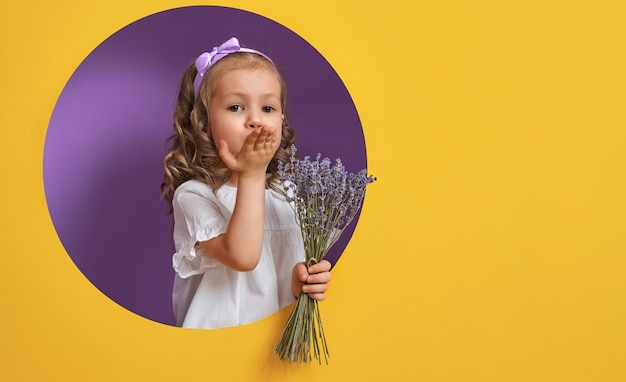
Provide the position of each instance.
(325, 199)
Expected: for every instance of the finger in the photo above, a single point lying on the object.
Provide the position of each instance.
(318, 296)
(259, 140)
(300, 271)
(322, 266)
(265, 134)
(276, 137)
(314, 288)
(269, 142)
(251, 142)
(266, 139)
(322, 277)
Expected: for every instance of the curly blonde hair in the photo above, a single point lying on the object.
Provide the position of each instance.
(193, 155)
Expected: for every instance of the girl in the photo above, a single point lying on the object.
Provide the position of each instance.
(239, 250)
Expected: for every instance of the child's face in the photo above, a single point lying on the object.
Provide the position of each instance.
(244, 100)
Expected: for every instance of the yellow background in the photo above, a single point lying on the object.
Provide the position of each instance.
(491, 249)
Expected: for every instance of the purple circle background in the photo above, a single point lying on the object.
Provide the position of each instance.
(107, 138)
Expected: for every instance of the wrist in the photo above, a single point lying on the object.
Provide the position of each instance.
(252, 176)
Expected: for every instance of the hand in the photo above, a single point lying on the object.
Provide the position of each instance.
(257, 151)
(312, 281)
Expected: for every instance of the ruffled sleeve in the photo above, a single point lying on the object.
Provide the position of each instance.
(197, 217)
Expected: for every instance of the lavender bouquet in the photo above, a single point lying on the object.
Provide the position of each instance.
(325, 199)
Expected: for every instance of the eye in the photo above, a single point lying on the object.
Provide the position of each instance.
(235, 108)
(267, 109)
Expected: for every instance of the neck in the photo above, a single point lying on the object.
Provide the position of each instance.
(233, 180)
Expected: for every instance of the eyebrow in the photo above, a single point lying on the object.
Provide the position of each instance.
(244, 94)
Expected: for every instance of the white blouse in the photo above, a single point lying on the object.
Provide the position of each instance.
(206, 293)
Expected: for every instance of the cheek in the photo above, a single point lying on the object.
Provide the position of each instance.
(219, 127)
(280, 122)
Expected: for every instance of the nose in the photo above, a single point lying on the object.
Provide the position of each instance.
(254, 120)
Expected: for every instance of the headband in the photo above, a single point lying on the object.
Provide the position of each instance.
(206, 59)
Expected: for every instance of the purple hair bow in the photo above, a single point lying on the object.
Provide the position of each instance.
(207, 59)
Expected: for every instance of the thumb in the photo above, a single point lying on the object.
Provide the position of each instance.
(224, 152)
(301, 272)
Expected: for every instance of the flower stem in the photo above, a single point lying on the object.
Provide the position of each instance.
(303, 329)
